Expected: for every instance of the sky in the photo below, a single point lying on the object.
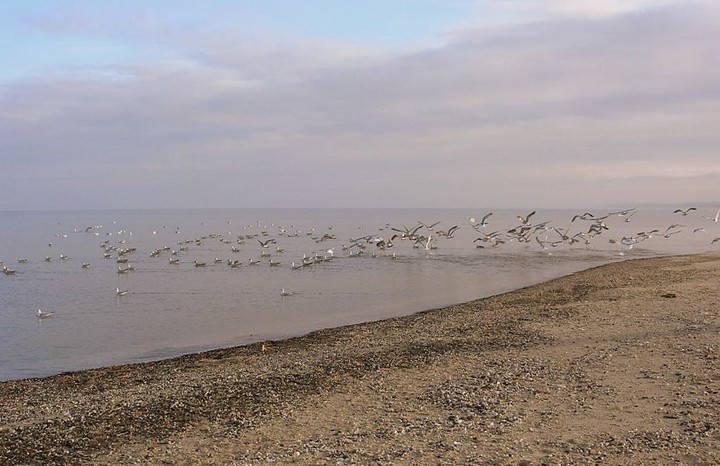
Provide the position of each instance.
(394, 103)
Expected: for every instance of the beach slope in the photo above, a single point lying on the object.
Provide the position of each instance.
(614, 365)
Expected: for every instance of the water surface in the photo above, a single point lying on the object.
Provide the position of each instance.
(176, 309)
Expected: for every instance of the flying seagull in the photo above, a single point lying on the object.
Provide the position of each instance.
(717, 217)
(684, 212)
(526, 220)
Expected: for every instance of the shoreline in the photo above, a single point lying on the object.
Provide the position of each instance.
(573, 370)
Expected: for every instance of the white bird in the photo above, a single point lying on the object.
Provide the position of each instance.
(44, 315)
(284, 292)
(120, 292)
(429, 243)
(483, 221)
(526, 220)
(717, 217)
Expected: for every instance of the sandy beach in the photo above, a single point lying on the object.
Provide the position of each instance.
(614, 365)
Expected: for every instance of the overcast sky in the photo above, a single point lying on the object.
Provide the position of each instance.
(387, 103)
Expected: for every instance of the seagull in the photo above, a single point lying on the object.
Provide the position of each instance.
(699, 230)
(672, 227)
(715, 240)
(622, 213)
(526, 220)
(483, 221)
(628, 216)
(448, 234)
(429, 227)
(684, 212)
(430, 244)
(44, 315)
(266, 244)
(716, 219)
(120, 292)
(543, 243)
(284, 292)
(407, 233)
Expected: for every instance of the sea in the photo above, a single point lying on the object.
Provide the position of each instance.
(336, 267)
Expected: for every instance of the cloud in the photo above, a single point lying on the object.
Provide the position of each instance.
(559, 111)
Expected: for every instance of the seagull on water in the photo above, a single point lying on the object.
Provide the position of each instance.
(284, 292)
(120, 292)
(44, 315)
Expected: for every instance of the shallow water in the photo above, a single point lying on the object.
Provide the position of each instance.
(176, 309)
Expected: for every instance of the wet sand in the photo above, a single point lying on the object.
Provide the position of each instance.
(614, 365)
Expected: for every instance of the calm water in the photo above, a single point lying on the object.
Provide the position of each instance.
(172, 309)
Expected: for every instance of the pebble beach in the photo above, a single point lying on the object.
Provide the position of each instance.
(613, 365)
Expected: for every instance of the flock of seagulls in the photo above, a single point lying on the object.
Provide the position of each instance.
(582, 229)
